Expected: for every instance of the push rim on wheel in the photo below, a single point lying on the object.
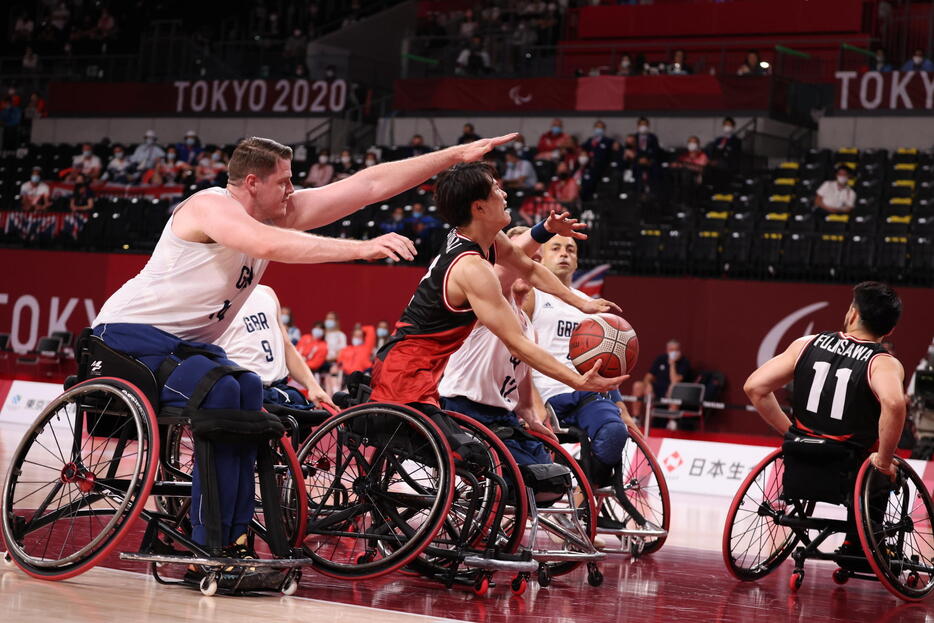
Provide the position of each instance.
(753, 543)
(895, 531)
(376, 472)
(644, 484)
(79, 478)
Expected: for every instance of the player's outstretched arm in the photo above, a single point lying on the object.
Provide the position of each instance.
(224, 221)
(473, 279)
(886, 378)
(556, 225)
(510, 256)
(315, 207)
(531, 408)
(773, 374)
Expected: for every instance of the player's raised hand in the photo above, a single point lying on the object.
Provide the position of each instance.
(591, 381)
(392, 246)
(477, 149)
(563, 225)
(599, 306)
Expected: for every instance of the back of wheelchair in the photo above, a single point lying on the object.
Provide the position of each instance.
(802, 497)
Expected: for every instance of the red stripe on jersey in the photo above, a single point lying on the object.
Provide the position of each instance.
(798, 424)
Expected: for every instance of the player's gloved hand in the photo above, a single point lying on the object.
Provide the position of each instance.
(887, 468)
(591, 381)
(477, 149)
(563, 225)
(392, 246)
(598, 306)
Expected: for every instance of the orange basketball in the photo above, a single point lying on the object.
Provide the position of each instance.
(605, 338)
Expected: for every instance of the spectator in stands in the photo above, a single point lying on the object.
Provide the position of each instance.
(918, 62)
(550, 141)
(522, 148)
(724, 153)
(15, 99)
(468, 27)
(295, 45)
(86, 163)
(421, 225)
(693, 160)
(473, 59)
(35, 108)
(321, 173)
(210, 166)
(565, 187)
(370, 159)
(646, 167)
(337, 341)
(678, 65)
(30, 61)
(285, 316)
(106, 25)
(314, 349)
(519, 173)
(34, 194)
(11, 116)
(168, 170)
(668, 368)
(416, 147)
(753, 66)
(146, 154)
(357, 357)
(600, 149)
(346, 167)
(24, 27)
(626, 66)
(189, 148)
(383, 331)
(82, 197)
(118, 167)
(470, 135)
(879, 62)
(60, 17)
(568, 150)
(395, 223)
(836, 196)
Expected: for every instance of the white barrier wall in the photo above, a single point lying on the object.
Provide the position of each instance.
(887, 132)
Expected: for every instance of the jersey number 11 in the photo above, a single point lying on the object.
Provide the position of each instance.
(821, 369)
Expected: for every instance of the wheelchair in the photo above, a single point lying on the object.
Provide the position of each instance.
(790, 505)
(99, 457)
(634, 508)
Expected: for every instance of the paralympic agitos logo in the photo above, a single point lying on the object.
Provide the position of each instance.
(769, 345)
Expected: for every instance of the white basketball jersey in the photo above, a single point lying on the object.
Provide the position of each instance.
(483, 369)
(189, 289)
(254, 341)
(554, 321)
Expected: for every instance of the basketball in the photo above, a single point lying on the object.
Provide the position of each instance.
(605, 338)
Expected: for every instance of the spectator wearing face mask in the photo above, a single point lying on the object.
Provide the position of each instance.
(321, 173)
(146, 154)
(753, 66)
(688, 170)
(416, 147)
(370, 159)
(86, 164)
(836, 196)
(210, 166)
(626, 66)
(421, 225)
(599, 149)
(357, 356)
(725, 151)
(678, 65)
(383, 332)
(82, 197)
(918, 62)
(314, 349)
(879, 62)
(565, 187)
(285, 317)
(333, 335)
(34, 194)
(473, 60)
(519, 173)
(669, 368)
(118, 167)
(469, 135)
(522, 148)
(189, 148)
(345, 167)
(694, 159)
(550, 141)
(395, 223)
(646, 166)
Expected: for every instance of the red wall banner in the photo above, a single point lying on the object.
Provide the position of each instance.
(895, 90)
(603, 93)
(726, 325)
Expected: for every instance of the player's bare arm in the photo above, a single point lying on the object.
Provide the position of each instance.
(315, 207)
(540, 277)
(775, 373)
(471, 281)
(298, 370)
(886, 378)
(534, 418)
(215, 218)
(557, 224)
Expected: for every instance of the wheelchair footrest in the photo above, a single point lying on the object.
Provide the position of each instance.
(181, 559)
(566, 556)
(495, 564)
(649, 532)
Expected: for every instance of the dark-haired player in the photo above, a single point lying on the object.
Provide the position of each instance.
(460, 288)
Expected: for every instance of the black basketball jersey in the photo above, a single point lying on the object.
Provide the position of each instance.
(832, 396)
(429, 312)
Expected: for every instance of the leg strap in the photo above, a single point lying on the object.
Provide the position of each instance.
(272, 507)
(210, 507)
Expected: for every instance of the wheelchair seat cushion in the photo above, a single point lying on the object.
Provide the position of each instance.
(549, 481)
(818, 468)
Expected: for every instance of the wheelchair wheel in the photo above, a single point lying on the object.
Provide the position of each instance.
(753, 542)
(643, 484)
(489, 509)
(178, 462)
(374, 474)
(79, 478)
(585, 507)
(893, 520)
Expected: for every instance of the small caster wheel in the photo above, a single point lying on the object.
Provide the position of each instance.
(519, 585)
(481, 586)
(544, 576)
(594, 577)
(7, 559)
(840, 576)
(291, 586)
(913, 580)
(366, 557)
(795, 580)
(635, 547)
(208, 585)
